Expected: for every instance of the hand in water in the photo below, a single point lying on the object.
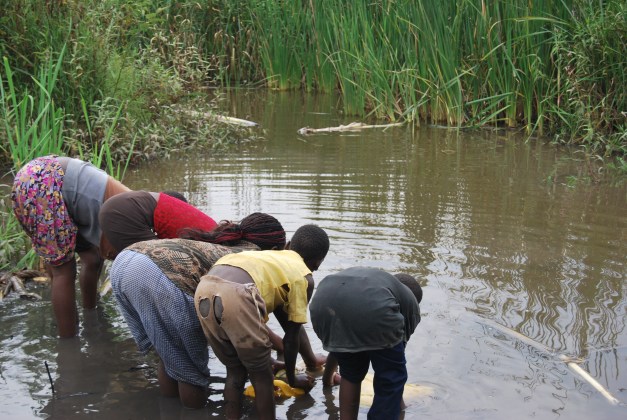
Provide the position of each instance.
(317, 363)
(304, 382)
(331, 380)
(277, 366)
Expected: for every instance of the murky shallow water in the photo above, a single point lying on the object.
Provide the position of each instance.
(505, 236)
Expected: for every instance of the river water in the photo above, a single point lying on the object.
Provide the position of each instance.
(520, 253)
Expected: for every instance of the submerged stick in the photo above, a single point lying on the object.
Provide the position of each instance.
(562, 357)
(49, 376)
(595, 384)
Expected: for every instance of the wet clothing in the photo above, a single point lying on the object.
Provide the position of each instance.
(154, 283)
(141, 216)
(363, 316)
(362, 309)
(236, 331)
(280, 278)
(233, 315)
(57, 200)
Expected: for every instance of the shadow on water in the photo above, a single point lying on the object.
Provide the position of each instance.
(500, 231)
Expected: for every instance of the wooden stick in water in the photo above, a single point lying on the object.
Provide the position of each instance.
(595, 384)
(49, 376)
(562, 357)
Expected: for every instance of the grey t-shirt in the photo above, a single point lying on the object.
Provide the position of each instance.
(83, 192)
(360, 309)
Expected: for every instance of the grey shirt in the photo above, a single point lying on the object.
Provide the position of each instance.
(83, 192)
(360, 309)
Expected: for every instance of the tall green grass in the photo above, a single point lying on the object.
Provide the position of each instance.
(535, 65)
(453, 62)
(33, 123)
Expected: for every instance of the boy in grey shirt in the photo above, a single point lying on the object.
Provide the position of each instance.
(363, 316)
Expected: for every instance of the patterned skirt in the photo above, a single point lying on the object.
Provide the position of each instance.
(39, 207)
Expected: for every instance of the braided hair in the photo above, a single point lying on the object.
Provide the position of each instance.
(261, 229)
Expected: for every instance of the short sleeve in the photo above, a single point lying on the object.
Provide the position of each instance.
(296, 306)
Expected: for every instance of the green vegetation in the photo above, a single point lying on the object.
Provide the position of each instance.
(117, 81)
(553, 68)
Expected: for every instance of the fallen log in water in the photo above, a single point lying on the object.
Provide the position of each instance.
(354, 126)
(223, 118)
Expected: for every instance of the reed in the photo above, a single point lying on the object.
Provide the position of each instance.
(33, 123)
(538, 66)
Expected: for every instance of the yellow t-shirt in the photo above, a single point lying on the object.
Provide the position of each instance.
(280, 278)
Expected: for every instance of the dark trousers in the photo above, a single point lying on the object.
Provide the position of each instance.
(390, 376)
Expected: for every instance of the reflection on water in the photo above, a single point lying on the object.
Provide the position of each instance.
(501, 232)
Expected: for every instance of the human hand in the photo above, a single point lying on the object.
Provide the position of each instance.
(277, 366)
(304, 382)
(335, 379)
(316, 363)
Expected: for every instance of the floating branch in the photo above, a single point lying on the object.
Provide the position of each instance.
(570, 361)
(222, 118)
(354, 126)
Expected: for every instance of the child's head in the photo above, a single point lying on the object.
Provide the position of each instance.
(412, 283)
(261, 229)
(312, 243)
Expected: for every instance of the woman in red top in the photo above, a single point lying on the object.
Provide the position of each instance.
(137, 216)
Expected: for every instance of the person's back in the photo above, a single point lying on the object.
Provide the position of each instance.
(365, 316)
(279, 277)
(369, 306)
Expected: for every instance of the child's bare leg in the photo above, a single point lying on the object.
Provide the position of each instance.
(233, 390)
(349, 399)
(262, 381)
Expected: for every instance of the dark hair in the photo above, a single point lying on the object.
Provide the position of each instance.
(412, 283)
(175, 194)
(311, 242)
(261, 229)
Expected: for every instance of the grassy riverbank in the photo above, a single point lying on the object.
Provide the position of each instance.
(549, 68)
(111, 81)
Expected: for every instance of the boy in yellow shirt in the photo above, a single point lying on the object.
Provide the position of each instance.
(233, 302)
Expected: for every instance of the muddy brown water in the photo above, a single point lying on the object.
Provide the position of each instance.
(521, 261)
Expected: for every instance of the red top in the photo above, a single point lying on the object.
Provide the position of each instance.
(171, 215)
